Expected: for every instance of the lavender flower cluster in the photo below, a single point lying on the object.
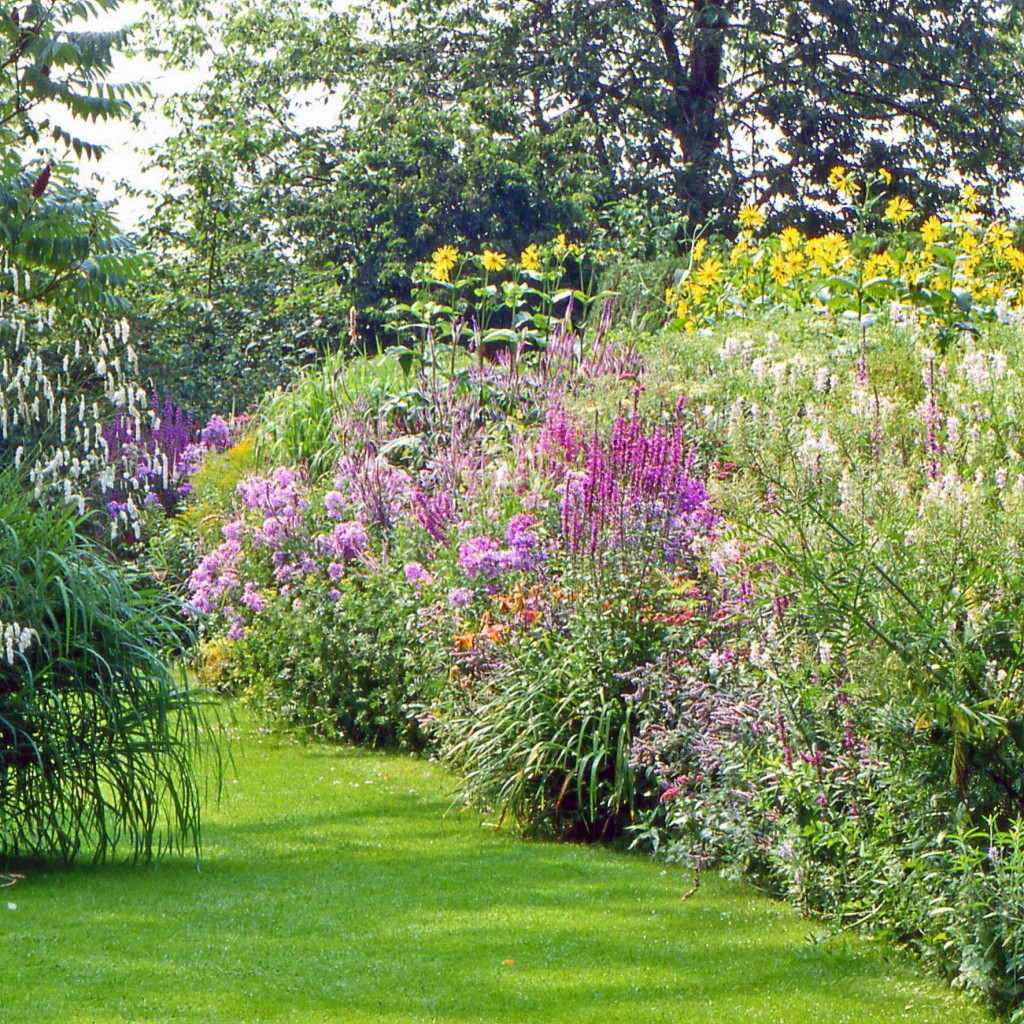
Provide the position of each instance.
(483, 556)
(278, 523)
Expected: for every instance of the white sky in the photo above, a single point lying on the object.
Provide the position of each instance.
(125, 141)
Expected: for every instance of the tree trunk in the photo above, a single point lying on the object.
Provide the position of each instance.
(696, 84)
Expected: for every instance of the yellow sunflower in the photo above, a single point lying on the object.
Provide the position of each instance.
(494, 262)
(899, 210)
(751, 217)
(931, 229)
(443, 260)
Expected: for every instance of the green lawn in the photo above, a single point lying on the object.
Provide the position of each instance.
(334, 888)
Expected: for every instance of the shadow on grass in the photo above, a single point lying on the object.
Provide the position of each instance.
(335, 888)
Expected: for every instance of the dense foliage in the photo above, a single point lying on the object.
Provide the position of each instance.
(99, 737)
(726, 563)
(322, 159)
(57, 243)
(763, 611)
(96, 732)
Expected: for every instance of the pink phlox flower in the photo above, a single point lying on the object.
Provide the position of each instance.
(477, 555)
(415, 573)
(215, 577)
(335, 504)
(346, 543)
(251, 598)
(216, 434)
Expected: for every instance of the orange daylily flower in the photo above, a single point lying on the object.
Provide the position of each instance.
(494, 633)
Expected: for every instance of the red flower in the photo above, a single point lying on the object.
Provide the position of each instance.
(39, 187)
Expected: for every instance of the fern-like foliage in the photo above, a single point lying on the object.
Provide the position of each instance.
(57, 242)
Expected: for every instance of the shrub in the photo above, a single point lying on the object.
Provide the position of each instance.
(341, 660)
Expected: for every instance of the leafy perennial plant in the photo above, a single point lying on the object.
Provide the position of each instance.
(763, 611)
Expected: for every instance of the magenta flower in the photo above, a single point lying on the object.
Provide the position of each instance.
(415, 573)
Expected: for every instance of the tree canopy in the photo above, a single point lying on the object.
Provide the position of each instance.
(330, 148)
(707, 102)
(716, 102)
(56, 240)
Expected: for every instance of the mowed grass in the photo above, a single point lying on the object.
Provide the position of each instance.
(334, 887)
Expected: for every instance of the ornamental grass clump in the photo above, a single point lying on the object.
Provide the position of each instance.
(99, 737)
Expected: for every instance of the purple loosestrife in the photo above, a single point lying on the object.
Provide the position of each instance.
(606, 356)
(560, 444)
(435, 512)
(559, 358)
(636, 488)
(173, 432)
(159, 453)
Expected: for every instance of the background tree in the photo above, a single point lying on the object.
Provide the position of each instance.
(329, 150)
(716, 102)
(61, 243)
(306, 175)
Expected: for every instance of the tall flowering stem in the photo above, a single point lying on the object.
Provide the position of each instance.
(635, 493)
